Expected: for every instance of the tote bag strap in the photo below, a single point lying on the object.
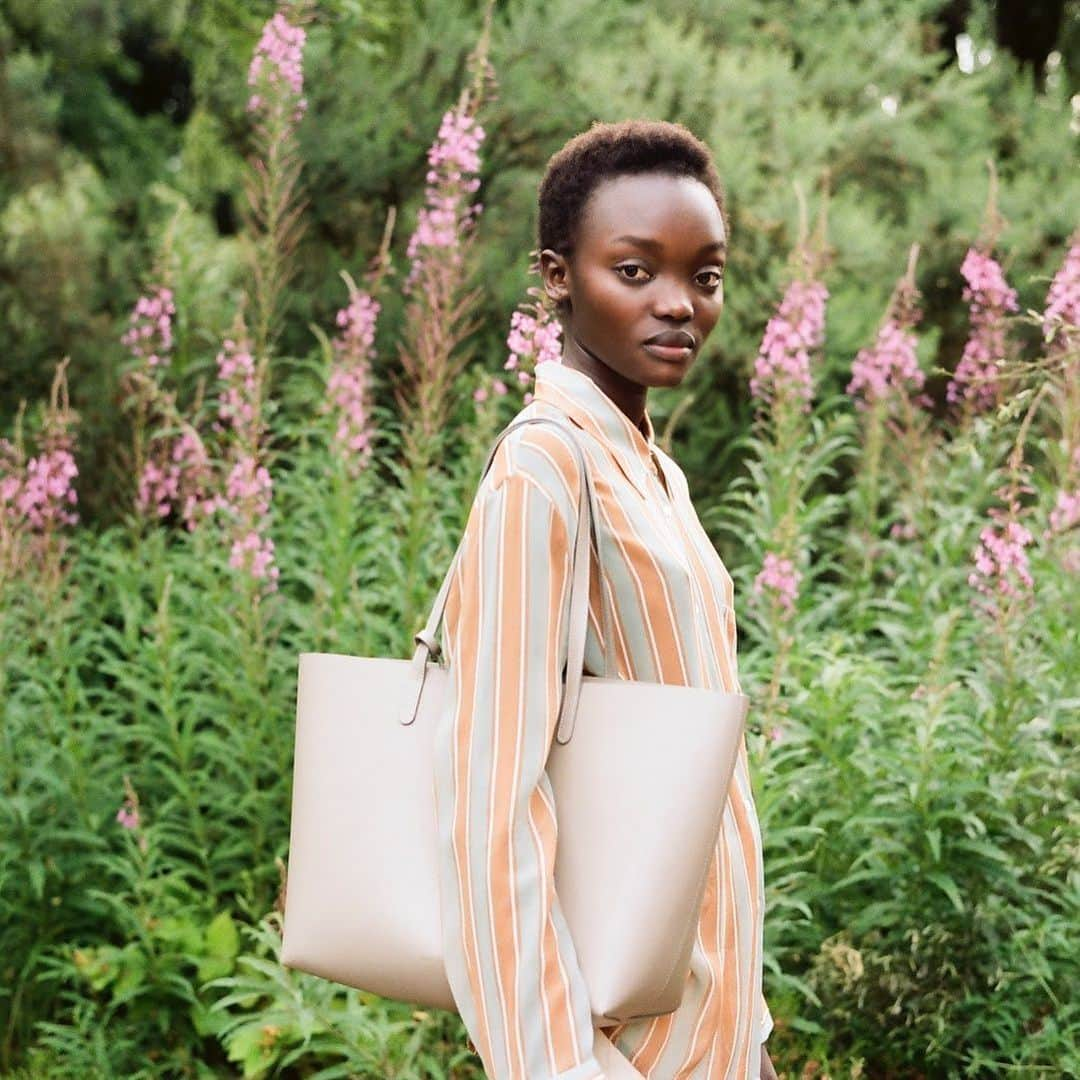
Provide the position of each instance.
(427, 643)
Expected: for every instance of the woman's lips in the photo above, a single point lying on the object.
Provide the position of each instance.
(670, 352)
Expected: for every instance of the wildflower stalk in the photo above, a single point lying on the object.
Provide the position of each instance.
(782, 385)
(979, 382)
(274, 226)
(37, 494)
(351, 441)
(272, 214)
(1060, 323)
(935, 691)
(177, 477)
(349, 359)
(1001, 577)
(885, 386)
(12, 469)
(248, 486)
(439, 317)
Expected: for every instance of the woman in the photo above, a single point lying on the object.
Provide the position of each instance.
(633, 240)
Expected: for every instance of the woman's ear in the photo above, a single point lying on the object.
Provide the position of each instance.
(554, 271)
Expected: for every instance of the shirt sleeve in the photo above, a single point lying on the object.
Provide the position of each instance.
(510, 961)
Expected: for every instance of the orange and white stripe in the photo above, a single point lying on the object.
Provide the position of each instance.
(509, 955)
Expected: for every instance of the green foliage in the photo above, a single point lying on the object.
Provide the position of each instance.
(272, 1017)
(912, 778)
(780, 94)
(918, 811)
(917, 803)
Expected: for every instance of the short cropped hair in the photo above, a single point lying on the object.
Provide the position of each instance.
(607, 150)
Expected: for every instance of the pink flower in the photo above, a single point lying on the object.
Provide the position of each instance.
(128, 814)
(1063, 299)
(491, 385)
(249, 481)
(254, 554)
(890, 369)
(797, 329)
(158, 489)
(447, 217)
(886, 367)
(535, 337)
(245, 502)
(277, 68)
(46, 492)
(350, 376)
(149, 335)
(1000, 562)
(37, 495)
(238, 400)
(198, 499)
(990, 298)
(1066, 513)
(779, 576)
(178, 477)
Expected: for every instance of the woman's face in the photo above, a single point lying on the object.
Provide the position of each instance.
(649, 260)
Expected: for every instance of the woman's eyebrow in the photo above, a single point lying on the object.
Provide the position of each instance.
(655, 245)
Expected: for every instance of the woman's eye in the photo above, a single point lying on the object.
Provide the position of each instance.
(633, 272)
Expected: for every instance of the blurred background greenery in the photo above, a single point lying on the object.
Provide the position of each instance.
(915, 780)
(122, 120)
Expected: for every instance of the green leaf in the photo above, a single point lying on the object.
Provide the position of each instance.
(800, 1023)
(948, 887)
(245, 1046)
(222, 939)
(214, 967)
(933, 837)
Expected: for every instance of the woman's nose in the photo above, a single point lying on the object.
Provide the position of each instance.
(673, 303)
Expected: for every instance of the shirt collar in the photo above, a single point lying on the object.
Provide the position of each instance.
(576, 394)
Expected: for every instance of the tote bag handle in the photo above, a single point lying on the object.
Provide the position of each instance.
(428, 646)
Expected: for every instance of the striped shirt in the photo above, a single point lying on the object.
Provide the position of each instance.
(510, 959)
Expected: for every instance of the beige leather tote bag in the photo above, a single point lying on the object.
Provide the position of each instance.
(640, 773)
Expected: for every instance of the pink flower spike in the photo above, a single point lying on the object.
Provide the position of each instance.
(889, 370)
(1061, 319)
(277, 69)
(796, 330)
(150, 334)
(350, 377)
(447, 216)
(990, 298)
(1000, 564)
(779, 577)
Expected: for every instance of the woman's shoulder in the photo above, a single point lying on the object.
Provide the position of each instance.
(543, 454)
